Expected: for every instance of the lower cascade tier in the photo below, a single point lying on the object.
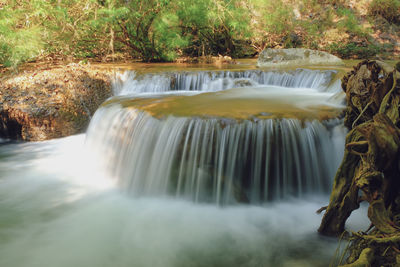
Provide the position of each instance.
(216, 160)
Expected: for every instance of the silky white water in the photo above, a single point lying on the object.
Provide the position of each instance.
(176, 191)
(220, 159)
(128, 83)
(64, 215)
(216, 161)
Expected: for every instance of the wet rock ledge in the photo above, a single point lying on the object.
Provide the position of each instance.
(50, 103)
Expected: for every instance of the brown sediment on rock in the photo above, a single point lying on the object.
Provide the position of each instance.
(236, 104)
(50, 103)
(371, 165)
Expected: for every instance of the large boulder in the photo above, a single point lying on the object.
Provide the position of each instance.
(55, 102)
(295, 57)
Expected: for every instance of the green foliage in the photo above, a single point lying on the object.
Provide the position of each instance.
(278, 18)
(148, 29)
(20, 40)
(20, 46)
(388, 9)
(349, 22)
(351, 50)
(311, 6)
(162, 30)
(29, 29)
(154, 30)
(169, 40)
(215, 26)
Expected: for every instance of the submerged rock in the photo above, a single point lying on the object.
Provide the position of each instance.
(51, 103)
(245, 103)
(296, 56)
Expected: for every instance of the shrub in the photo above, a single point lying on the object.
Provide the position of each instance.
(388, 9)
(349, 22)
(353, 50)
(19, 41)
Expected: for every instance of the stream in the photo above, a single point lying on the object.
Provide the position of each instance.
(182, 168)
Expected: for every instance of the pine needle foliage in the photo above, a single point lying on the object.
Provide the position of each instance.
(162, 30)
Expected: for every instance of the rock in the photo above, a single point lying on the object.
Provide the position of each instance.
(51, 103)
(296, 56)
(243, 83)
(255, 103)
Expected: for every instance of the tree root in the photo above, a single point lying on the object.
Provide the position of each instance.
(320, 210)
(364, 260)
(371, 165)
(395, 238)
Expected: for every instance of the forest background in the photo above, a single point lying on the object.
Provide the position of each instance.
(165, 30)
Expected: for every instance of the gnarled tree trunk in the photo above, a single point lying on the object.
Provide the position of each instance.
(371, 164)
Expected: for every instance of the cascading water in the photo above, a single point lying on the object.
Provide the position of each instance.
(209, 81)
(60, 208)
(216, 160)
(219, 160)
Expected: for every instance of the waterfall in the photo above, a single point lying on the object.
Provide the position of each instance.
(216, 160)
(126, 192)
(219, 159)
(208, 81)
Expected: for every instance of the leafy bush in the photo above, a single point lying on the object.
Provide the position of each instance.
(351, 50)
(349, 22)
(279, 19)
(29, 29)
(388, 9)
(162, 30)
(20, 40)
(215, 26)
(20, 46)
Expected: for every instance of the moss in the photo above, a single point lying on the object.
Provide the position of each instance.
(364, 259)
(397, 66)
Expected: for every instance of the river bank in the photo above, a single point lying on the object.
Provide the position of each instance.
(52, 101)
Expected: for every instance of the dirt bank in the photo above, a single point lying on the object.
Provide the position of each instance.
(51, 101)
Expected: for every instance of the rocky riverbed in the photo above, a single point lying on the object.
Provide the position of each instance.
(57, 101)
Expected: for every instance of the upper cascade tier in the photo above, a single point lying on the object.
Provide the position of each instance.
(131, 82)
